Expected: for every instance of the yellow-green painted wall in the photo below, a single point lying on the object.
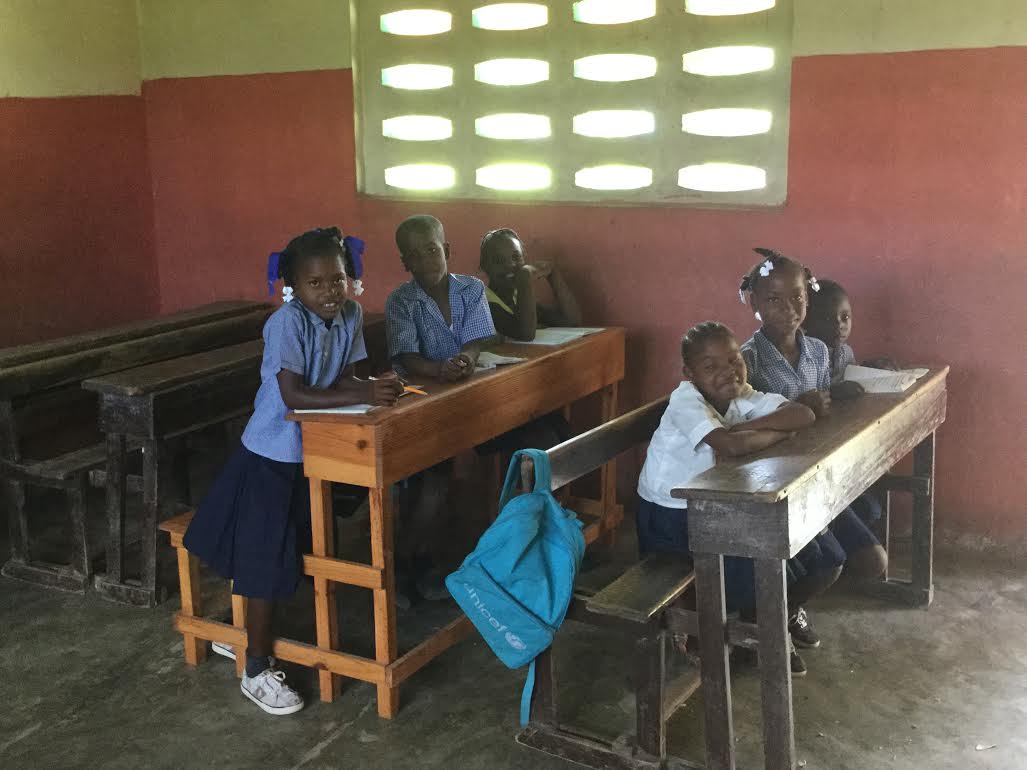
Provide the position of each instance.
(879, 26)
(184, 38)
(68, 48)
(188, 38)
(82, 47)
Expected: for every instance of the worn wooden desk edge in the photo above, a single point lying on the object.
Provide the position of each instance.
(378, 415)
(21, 354)
(223, 359)
(694, 493)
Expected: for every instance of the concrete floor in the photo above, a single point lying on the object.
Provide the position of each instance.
(93, 684)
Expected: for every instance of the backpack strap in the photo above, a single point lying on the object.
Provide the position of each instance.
(526, 693)
(543, 478)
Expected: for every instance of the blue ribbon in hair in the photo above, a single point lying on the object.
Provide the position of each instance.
(355, 249)
(272, 271)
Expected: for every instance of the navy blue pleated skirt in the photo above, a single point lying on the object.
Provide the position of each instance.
(665, 530)
(253, 527)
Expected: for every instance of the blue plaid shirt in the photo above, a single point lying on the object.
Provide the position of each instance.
(414, 323)
(841, 357)
(297, 339)
(769, 372)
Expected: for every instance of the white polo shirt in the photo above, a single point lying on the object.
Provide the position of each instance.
(677, 452)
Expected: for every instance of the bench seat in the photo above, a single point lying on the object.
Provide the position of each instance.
(645, 589)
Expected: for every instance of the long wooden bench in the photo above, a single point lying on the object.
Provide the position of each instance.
(636, 603)
(49, 434)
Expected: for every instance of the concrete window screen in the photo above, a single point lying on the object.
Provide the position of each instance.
(677, 102)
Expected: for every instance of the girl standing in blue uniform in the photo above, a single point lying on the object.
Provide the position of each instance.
(253, 527)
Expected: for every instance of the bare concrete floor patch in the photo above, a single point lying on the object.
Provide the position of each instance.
(91, 684)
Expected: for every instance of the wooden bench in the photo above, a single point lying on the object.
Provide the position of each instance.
(636, 603)
(49, 435)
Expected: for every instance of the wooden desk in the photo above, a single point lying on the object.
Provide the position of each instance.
(48, 425)
(769, 505)
(387, 445)
(151, 406)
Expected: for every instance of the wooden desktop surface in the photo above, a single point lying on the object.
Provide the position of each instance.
(388, 444)
(772, 503)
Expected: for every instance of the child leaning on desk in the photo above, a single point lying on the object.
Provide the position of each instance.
(435, 324)
(517, 315)
(715, 413)
(511, 290)
(781, 359)
(253, 527)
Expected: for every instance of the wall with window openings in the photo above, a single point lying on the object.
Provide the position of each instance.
(678, 101)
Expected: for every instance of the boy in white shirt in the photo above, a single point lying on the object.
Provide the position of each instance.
(714, 411)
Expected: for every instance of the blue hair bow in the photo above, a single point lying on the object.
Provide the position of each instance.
(355, 249)
(272, 271)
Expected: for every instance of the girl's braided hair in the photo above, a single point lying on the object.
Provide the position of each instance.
(320, 242)
(699, 335)
(772, 260)
(489, 237)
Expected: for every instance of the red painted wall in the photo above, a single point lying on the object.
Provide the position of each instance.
(76, 245)
(907, 183)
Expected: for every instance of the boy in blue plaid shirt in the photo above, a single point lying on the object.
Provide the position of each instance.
(435, 324)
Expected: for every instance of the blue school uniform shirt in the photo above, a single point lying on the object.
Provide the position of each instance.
(769, 372)
(298, 340)
(414, 323)
(841, 357)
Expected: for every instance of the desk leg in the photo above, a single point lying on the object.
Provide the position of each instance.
(608, 474)
(650, 679)
(543, 704)
(715, 669)
(326, 613)
(775, 668)
(923, 524)
(386, 649)
(115, 507)
(154, 494)
(14, 491)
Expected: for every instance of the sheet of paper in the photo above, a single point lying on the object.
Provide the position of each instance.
(489, 360)
(352, 409)
(883, 380)
(561, 335)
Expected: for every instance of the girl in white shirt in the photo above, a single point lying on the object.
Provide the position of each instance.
(715, 412)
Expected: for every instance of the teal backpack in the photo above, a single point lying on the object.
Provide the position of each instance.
(517, 584)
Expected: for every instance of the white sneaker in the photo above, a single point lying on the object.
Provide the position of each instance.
(223, 649)
(229, 652)
(269, 691)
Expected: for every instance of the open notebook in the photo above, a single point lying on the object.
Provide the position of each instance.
(351, 409)
(883, 380)
(487, 360)
(560, 335)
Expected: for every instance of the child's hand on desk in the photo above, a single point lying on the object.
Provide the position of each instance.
(817, 400)
(383, 391)
(846, 390)
(459, 367)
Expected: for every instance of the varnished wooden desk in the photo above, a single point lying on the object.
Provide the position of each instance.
(768, 506)
(384, 446)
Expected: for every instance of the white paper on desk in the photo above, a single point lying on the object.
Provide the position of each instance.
(489, 360)
(560, 335)
(352, 409)
(882, 380)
